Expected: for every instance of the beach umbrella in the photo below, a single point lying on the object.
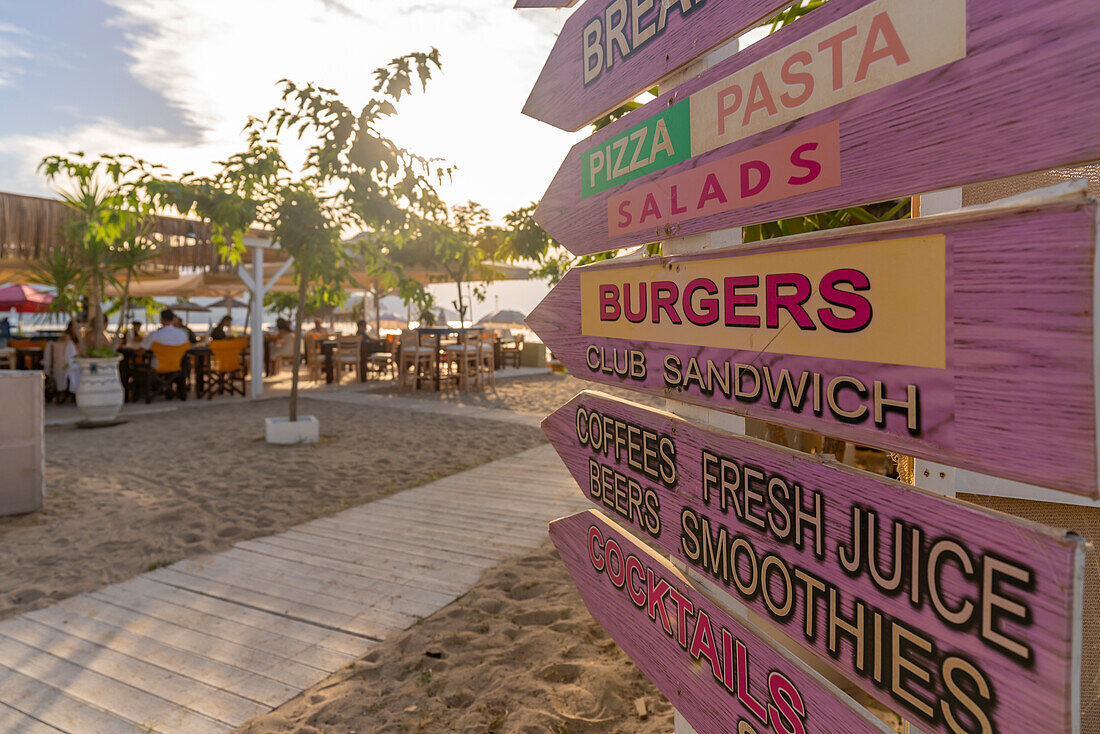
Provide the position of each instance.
(390, 320)
(504, 318)
(24, 299)
(186, 306)
(227, 303)
(443, 316)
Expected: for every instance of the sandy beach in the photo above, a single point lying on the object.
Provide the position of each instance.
(518, 653)
(174, 485)
(539, 395)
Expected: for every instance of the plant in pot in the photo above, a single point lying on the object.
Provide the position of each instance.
(105, 238)
(353, 179)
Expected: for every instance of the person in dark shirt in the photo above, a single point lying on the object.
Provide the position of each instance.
(221, 330)
(178, 323)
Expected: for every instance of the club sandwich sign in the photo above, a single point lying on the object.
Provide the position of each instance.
(958, 338)
(962, 619)
(859, 101)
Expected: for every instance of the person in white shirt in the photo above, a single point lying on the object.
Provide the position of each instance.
(168, 334)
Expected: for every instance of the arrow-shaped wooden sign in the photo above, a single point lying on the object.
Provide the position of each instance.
(965, 338)
(609, 52)
(719, 672)
(544, 4)
(942, 610)
(859, 101)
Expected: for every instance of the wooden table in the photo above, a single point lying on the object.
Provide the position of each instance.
(29, 358)
(328, 352)
(439, 332)
(200, 361)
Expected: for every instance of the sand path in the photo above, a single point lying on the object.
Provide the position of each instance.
(207, 644)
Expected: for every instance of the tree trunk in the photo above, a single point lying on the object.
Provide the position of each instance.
(95, 315)
(302, 285)
(377, 313)
(125, 304)
(461, 307)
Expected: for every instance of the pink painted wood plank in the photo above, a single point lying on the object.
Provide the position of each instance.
(740, 678)
(561, 97)
(1022, 99)
(1016, 395)
(1026, 694)
(544, 4)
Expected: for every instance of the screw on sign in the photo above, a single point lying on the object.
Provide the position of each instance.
(720, 672)
(960, 618)
(958, 338)
(861, 100)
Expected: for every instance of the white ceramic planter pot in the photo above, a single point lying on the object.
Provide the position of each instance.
(99, 395)
(306, 429)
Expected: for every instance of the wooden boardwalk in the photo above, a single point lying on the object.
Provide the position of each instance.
(208, 643)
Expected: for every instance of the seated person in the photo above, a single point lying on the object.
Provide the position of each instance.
(318, 329)
(134, 337)
(282, 327)
(221, 331)
(169, 333)
(59, 359)
(178, 323)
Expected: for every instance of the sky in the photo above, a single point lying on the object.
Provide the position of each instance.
(174, 82)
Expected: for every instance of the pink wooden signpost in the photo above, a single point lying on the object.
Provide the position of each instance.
(947, 612)
(964, 338)
(859, 101)
(544, 3)
(718, 671)
(610, 51)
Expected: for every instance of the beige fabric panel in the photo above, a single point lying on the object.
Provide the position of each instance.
(1086, 522)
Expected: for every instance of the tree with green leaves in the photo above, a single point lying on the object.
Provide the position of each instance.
(106, 239)
(353, 179)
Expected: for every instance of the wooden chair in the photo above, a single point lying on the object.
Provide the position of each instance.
(510, 354)
(410, 353)
(486, 362)
(347, 356)
(228, 367)
(315, 361)
(281, 352)
(466, 358)
(379, 357)
(164, 371)
(7, 358)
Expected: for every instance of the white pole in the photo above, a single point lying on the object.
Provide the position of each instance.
(257, 346)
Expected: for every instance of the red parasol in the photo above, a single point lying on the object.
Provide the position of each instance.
(23, 299)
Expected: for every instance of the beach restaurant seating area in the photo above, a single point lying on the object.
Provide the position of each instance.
(416, 359)
(426, 358)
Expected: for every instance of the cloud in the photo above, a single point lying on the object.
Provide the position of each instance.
(217, 62)
(339, 7)
(11, 53)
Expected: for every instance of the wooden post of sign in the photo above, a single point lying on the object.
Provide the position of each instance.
(685, 245)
